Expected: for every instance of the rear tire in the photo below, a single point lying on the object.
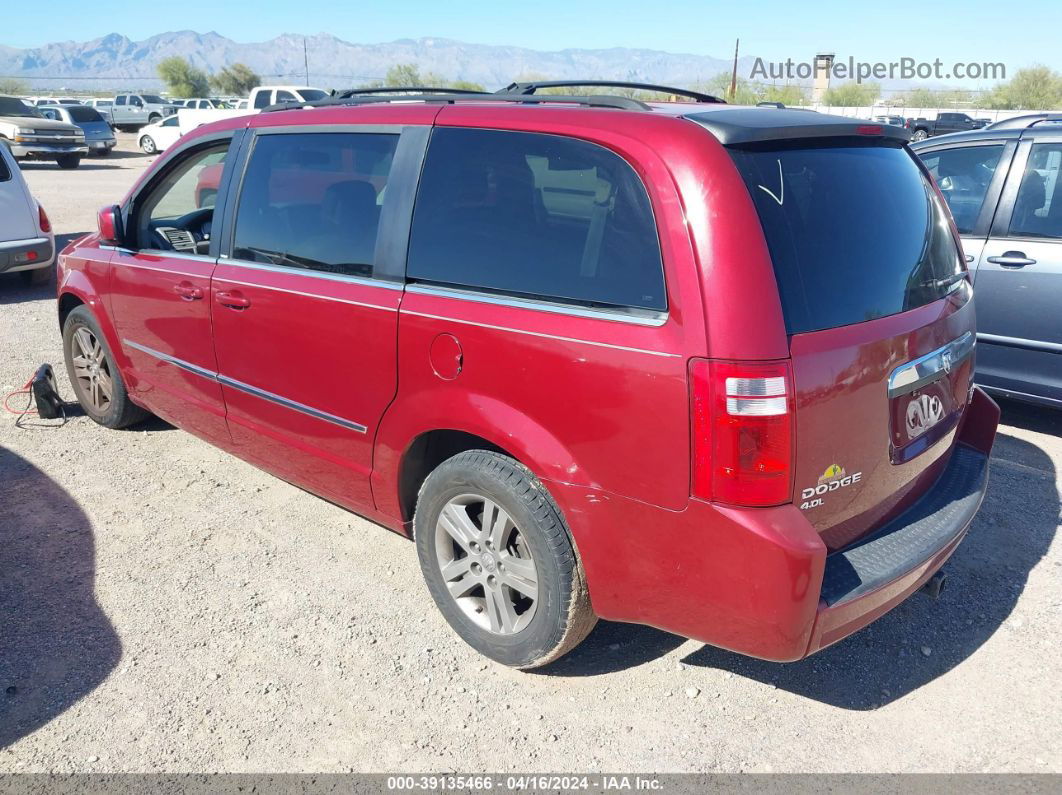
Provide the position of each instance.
(69, 161)
(513, 587)
(919, 135)
(88, 362)
(147, 145)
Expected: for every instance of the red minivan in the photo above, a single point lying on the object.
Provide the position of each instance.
(685, 364)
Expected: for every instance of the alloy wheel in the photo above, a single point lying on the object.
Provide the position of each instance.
(92, 370)
(486, 564)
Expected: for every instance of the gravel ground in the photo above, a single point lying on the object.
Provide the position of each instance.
(166, 607)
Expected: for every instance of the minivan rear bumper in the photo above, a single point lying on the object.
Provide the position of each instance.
(761, 581)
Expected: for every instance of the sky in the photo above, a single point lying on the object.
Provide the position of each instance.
(954, 31)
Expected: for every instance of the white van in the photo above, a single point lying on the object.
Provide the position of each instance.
(27, 243)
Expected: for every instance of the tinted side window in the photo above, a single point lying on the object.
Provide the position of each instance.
(5, 173)
(1038, 205)
(261, 99)
(964, 174)
(120, 99)
(286, 96)
(314, 200)
(535, 215)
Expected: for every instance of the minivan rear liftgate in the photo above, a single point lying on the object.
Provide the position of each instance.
(878, 308)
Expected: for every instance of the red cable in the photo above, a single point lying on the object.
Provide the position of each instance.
(24, 391)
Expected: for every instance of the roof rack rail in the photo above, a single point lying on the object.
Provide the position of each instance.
(533, 86)
(1024, 122)
(361, 92)
(590, 101)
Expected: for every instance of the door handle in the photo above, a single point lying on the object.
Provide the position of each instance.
(1012, 259)
(188, 291)
(233, 299)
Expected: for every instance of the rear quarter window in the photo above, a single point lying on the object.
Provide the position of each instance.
(855, 231)
(536, 216)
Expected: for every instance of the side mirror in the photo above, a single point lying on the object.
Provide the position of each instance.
(109, 220)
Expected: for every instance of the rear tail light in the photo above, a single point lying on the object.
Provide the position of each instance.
(742, 417)
(42, 218)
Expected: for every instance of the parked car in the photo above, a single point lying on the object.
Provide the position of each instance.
(204, 104)
(546, 340)
(945, 123)
(160, 136)
(897, 121)
(29, 136)
(55, 101)
(1004, 186)
(264, 96)
(133, 111)
(27, 244)
(99, 136)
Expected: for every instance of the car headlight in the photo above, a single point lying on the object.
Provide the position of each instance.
(26, 131)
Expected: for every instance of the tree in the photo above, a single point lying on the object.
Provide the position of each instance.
(13, 86)
(745, 93)
(1035, 88)
(852, 95)
(466, 85)
(237, 80)
(788, 95)
(920, 98)
(182, 79)
(403, 74)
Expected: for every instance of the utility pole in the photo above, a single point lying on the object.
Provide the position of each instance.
(305, 61)
(733, 75)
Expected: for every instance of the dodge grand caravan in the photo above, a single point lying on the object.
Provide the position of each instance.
(697, 366)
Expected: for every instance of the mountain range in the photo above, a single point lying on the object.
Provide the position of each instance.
(116, 61)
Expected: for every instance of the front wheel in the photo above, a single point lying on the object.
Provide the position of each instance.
(148, 146)
(90, 366)
(68, 161)
(499, 562)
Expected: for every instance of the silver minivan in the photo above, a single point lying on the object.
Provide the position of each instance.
(1004, 187)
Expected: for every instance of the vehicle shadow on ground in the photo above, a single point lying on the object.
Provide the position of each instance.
(986, 576)
(56, 644)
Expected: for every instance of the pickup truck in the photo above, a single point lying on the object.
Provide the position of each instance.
(133, 111)
(945, 123)
(261, 97)
(28, 135)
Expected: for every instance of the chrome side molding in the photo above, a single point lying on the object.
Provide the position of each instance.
(927, 369)
(257, 392)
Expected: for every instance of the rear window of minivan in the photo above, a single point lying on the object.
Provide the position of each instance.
(855, 230)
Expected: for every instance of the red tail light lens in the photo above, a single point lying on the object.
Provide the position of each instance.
(742, 415)
(42, 218)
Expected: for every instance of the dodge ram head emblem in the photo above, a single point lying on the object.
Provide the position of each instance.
(923, 413)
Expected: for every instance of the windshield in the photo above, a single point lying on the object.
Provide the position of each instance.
(855, 231)
(152, 99)
(312, 94)
(12, 106)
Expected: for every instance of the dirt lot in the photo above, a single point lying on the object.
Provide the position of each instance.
(164, 606)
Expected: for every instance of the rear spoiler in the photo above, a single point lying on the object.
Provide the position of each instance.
(737, 126)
